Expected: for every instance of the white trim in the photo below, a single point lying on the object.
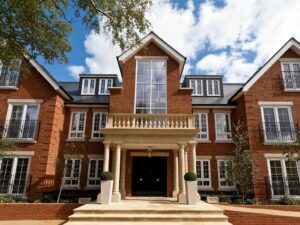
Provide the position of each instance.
(223, 132)
(200, 157)
(49, 79)
(19, 153)
(275, 103)
(73, 156)
(214, 107)
(153, 154)
(151, 37)
(290, 60)
(151, 57)
(77, 131)
(202, 187)
(28, 101)
(263, 70)
(276, 155)
(70, 105)
(213, 87)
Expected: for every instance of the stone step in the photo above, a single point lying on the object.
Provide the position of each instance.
(147, 217)
(147, 223)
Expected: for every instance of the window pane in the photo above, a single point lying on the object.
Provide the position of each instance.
(20, 176)
(277, 177)
(5, 174)
(292, 178)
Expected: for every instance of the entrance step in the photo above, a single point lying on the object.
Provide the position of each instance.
(148, 212)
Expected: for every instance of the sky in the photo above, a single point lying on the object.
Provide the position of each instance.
(232, 38)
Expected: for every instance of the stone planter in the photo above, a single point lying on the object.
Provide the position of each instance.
(192, 193)
(106, 191)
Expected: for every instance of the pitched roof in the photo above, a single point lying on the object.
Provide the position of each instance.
(292, 43)
(49, 78)
(153, 37)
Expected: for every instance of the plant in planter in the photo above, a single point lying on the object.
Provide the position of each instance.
(191, 186)
(106, 187)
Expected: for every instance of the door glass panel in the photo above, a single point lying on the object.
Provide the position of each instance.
(20, 176)
(30, 122)
(292, 178)
(285, 126)
(5, 174)
(270, 125)
(14, 124)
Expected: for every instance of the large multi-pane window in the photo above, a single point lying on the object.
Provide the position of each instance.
(213, 87)
(77, 125)
(94, 173)
(203, 174)
(99, 120)
(151, 81)
(201, 122)
(197, 86)
(284, 177)
(223, 126)
(13, 174)
(72, 173)
(222, 175)
(104, 85)
(9, 76)
(291, 75)
(88, 86)
(277, 124)
(22, 121)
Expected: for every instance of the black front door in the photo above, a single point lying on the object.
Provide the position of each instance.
(149, 176)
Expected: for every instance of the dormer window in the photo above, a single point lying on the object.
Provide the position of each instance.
(9, 76)
(291, 76)
(104, 85)
(197, 86)
(88, 86)
(213, 87)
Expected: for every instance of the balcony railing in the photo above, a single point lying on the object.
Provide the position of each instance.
(21, 129)
(290, 80)
(150, 121)
(279, 132)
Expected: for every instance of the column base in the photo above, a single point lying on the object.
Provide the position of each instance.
(198, 197)
(116, 197)
(182, 198)
(175, 194)
(99, 198)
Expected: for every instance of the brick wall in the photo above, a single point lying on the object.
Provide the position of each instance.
(36, 211)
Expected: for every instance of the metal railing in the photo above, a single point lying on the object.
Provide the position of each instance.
(290, 80)
(150, 121)
(279, 131)
(21, 129)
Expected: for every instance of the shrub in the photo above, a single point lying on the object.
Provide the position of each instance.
(223, 198)
(190, 176)
(285, 200)
(107, 176)
(7, 199)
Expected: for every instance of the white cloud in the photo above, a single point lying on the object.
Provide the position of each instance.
(223, 35)
(75, 71)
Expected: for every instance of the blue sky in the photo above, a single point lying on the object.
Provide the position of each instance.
(228, 37)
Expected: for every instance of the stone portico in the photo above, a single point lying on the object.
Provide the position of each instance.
(138, 135)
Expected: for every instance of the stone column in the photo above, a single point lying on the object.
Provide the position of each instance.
(105, 163)
(123, 173)
(116, 196)
(182, 192)
(186, 160)
(193, 163)
(106, 156)
(175, 179)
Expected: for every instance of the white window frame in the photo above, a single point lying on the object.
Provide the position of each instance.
(196, 92)
(213, 87)
(77, 131)
(72, 186)
(158, 59)
(275, 107)
(203, 187)
(284, 75)
(9, 114)
(18, 64)
(229, 126)
(284, 174)
(198, 115)
(89, 90)
(97, 176)
(223, 187)
(100, 121)
(13, 172)
(106, 88)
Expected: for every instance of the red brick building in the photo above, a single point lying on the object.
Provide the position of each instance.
(148, 128)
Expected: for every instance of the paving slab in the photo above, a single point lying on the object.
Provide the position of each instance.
(32, 222)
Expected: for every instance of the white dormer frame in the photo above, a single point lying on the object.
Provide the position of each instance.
(89, 92)
(152, 37)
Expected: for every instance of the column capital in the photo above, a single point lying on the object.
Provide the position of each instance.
(106, 142)
(181, 144)
(117, 144)
(192, 144)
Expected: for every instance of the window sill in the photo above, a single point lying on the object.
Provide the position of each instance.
(92, 188)
(202, 141)
(8, 88)
(223, 141)
(205, 188)
(226, 189)
(277, 142)
(71, 188)
(20, 140)
(96, 140)
(291, 90)
(75, 139)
